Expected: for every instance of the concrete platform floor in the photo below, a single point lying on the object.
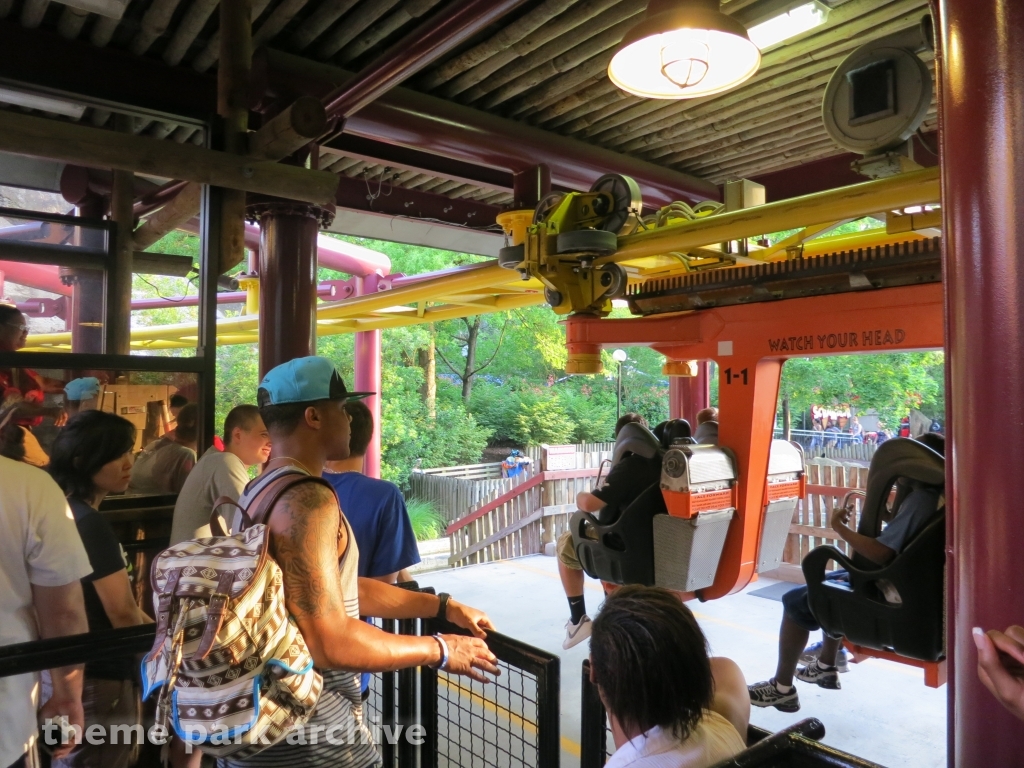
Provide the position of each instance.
(883, 713)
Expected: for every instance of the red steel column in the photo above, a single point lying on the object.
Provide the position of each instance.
(367, 379)
(982, 119)
(687, 395)
(287, 282)
(87, 315)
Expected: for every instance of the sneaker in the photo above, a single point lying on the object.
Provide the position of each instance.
(766, 694)
(823, 678)
(577, 633)
(811, 652)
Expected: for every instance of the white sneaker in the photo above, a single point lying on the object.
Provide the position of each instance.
(576, 633)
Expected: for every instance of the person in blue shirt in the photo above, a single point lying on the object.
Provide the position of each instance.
(374, 508)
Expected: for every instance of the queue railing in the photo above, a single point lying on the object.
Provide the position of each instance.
(445, 720)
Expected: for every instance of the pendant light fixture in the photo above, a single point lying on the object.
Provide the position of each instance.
(683, 49)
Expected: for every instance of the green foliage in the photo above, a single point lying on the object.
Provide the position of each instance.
(409, 436)
(541, 419)
(890, 383)
(427, 524)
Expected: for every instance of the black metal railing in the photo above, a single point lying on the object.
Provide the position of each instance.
(512, 722)
(797, 745)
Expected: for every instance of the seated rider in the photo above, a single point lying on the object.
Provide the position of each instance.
(670, 705)
(912, 515)
(627, 480)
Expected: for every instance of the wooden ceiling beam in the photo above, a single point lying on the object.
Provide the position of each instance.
(97, 148)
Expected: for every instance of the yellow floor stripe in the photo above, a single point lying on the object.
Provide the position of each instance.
(568, 745)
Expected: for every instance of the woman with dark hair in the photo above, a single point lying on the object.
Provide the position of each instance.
(92, 457)
(670, 705)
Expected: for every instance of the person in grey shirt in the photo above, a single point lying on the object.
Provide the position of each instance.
(220, 473)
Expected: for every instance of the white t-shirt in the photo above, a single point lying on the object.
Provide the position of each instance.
(216, 474)
(39, 544)
(713, 740)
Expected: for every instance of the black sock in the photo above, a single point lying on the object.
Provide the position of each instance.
(577, 608)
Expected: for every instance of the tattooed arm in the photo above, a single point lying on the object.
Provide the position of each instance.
(304, 540)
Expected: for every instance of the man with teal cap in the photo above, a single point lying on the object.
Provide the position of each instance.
(302, 403)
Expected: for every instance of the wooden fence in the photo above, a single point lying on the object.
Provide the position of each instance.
(857, 452)
(457, 492)
(535, 510)
(532, 512)
(490, 471)
(828, 481)
(456, 497)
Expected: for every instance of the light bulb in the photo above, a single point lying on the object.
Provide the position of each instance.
(685, 61)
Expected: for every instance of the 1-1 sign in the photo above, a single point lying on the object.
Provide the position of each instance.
(729, 375)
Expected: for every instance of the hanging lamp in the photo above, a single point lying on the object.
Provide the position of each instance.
(683, 49)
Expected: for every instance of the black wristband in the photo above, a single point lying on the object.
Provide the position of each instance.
(442, 609)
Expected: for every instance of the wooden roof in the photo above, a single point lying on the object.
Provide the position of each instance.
(544, 65)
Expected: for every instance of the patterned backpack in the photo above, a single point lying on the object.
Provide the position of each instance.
(234, 672)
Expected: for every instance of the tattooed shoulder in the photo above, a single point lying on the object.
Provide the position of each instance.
(304, 540)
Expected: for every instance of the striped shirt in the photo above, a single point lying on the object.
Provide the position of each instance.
(336, 736)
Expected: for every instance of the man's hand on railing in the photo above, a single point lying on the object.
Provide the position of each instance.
(469, 618)
(470, 656)
(53, 731)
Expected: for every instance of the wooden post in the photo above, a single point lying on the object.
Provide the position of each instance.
(119, 273)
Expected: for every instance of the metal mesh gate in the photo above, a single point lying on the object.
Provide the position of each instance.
(512, 722)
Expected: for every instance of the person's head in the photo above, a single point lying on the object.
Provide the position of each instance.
(246, 436)
(304, 400)
(935, 441)
(187, 431)
(650, 661)
(13, 328)
(92, 455)
(707, 414)
(176, 403)
(361, 427)
(629, 418)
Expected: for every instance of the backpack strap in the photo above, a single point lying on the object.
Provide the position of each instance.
(217, 526)
(215, 614)
(165, 606)
(257, 511)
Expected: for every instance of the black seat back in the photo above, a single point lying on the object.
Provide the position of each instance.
(673, 431)
(860, 609)
(900, 457)
(621, 552)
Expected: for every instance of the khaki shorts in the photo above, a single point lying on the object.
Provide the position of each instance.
(34, 453)
(567, 552)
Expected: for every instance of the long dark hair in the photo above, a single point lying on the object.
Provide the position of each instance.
(84, 445)
(650, 660)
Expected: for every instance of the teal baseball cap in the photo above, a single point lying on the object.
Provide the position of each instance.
(304, 380)
(82, 389)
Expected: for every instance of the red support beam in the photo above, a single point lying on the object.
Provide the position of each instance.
(446, 30)
(689, 394)
(982, 114)
(832, 172)
(408, 159)
(360, 195)
(405, 118)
